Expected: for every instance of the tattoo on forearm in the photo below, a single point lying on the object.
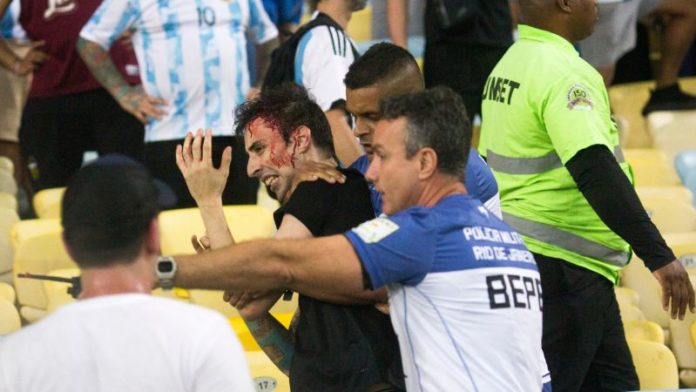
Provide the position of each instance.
(274, 339)
(103, 69)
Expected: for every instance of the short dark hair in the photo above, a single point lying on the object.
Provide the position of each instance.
(285, 108)
(435, 118)
(378, 63)
(106, 211)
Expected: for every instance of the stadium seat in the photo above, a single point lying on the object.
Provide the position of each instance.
(627, 100)
(626, 296)
(9, 318)
(630, 313)
(685, 163)
(29, 228)
(360, 26)
(57, 292)
(650, 167)
(637, 277)
(670, 132)
(8, 201)
(8, 219)
(47, 203)
(676, 192)
(266, 376)
(655, 365)
(669, 214)
(6, 164)
(644, 330)
(39, 254)
(7, 183)
(683, 347)
(7, 292)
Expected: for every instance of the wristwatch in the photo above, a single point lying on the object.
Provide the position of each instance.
(165, 270)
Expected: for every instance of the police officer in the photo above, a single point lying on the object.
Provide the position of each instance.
(549, 139)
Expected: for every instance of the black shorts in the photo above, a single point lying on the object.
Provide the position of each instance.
(160, 159)
(583, 340)
(57, 131)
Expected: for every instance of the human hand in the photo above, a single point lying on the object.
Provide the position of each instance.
(32, 60)
(313, 171)
(383, 307)
(195, 161)
(134, 100)
(676, 288)
(200, 244)
(252, 305)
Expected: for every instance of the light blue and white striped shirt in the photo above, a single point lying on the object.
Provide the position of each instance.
(192, 53)
(10, 28)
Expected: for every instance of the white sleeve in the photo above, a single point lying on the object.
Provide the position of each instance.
(321, 62)
(109, 22)
(219, 361)
(493, 205)
(261, 29)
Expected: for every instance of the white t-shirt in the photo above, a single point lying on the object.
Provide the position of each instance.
(127, 342)
(191, 53)
(321, 62)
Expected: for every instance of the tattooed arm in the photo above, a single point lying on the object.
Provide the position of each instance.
(274, 339)
(131, 98)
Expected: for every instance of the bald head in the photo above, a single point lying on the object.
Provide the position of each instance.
(571, 19)
(390, 67)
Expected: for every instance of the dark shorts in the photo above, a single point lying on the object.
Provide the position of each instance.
(583, 340)
(57, 131)
(240, 189)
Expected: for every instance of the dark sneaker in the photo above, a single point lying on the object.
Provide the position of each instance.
(669, 98)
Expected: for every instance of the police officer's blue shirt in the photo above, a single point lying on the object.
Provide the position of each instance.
(464, 296)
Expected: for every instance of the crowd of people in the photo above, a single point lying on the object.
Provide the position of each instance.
(421, 262)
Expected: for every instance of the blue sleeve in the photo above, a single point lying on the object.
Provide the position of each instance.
(361, 164)
(398, 249)
(479, 179)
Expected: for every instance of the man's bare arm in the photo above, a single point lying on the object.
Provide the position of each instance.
(132, 99)
(346, 144)
(397, 22)
(317, 267)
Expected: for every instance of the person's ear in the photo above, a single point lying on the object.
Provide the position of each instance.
(302, 139)
(427, 163)
(565, 5)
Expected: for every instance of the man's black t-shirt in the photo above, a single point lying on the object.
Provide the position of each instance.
(339, 347)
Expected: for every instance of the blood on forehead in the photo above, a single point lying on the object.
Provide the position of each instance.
(268, 132)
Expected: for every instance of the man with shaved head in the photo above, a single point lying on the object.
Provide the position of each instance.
(548, 136)
(386, 71)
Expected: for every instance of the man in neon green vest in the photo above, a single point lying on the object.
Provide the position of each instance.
(548, 137)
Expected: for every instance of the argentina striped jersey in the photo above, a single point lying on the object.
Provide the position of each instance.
(192, 53)
(9, 24)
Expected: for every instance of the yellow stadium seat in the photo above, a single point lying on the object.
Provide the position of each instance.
(6, 164)
(266, 376)
(47, 203)
(8, 201)
(360, 25)
(7, 183)
(57, 292)
(637, 277)
(669, 132)
(644, 330)
(651, 168)
(29, 228)
(692, 330)
(675, 192)
(9, 318)
(8, 219)
(7, 292)
(627, 100)
(630, 313)
(655, 365)
(626, 296)
(670, 215)
(39, 254)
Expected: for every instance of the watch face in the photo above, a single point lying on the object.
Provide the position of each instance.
(165, 266)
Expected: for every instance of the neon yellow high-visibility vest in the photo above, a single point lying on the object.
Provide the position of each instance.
(541, 105)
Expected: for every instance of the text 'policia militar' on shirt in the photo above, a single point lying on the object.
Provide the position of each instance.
(499, 89)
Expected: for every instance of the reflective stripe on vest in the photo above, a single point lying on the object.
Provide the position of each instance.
(569, 241)
(535, 165)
